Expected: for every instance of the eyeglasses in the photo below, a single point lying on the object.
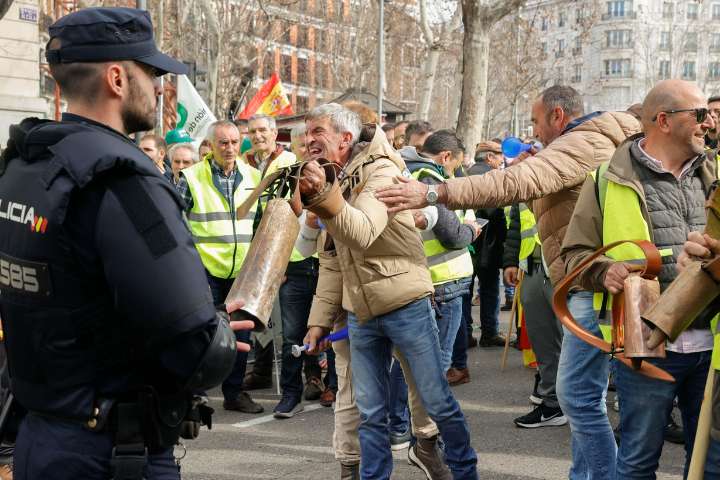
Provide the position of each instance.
(700, 113)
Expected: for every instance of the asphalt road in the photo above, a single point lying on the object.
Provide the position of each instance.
(244, 446)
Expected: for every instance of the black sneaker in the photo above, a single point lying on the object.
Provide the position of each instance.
(491, 341)
(400, 441)
(288, 407)
(674, 433)
(535, 397)
(542, 416)
(507, 307)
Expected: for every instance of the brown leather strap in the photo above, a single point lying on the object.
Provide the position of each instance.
(712, 267)
(650, 270)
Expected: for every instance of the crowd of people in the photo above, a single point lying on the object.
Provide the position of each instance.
(399, 224)
(473, 242)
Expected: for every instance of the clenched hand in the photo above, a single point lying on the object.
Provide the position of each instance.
(699, 246)
(312, 179)
(615, 277)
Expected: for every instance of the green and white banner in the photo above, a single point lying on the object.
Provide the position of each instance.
(195, 115)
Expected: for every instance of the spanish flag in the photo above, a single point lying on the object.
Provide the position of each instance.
(269, 100)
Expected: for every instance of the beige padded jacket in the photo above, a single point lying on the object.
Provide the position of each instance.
(549, 182)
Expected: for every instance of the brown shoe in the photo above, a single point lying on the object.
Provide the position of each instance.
(349, 472)
(426, 455)
(327, 398)
(253, 381)
(313, 389)
(457, 376)
(243, 403)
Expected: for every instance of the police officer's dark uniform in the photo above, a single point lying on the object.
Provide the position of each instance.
(107, 313)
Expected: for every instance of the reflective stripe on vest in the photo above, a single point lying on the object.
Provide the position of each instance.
(221, 240)
(444, 264)
(285, 159)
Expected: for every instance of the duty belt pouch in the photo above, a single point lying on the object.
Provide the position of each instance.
(130, 454)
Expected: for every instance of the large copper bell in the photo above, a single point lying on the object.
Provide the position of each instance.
(629, 333)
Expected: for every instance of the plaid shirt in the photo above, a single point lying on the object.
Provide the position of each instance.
(226, 183)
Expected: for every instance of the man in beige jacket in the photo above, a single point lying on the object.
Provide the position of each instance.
(381, 279)
(549, 182)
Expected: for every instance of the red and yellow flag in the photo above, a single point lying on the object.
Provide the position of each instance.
(269, 100)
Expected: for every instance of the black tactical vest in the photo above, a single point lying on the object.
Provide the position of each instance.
(65, 343)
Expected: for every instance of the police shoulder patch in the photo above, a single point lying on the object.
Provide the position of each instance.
(144, 214)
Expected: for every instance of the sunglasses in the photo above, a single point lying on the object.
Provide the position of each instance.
(700, 113)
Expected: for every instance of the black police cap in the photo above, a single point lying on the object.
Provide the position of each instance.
(109, 34)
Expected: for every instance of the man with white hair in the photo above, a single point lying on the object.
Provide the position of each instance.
(265, 151)
(212, 190)
(373, 266)
(182, 155)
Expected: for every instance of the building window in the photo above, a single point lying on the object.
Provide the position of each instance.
(691, 42)
(617, 8)
(579, 16)
(559, 76)
(560, 52)
(664, 71)
(715, 42)
(577, 77)
(692, 11)
(577, 49)
(561, 19)
(617, 68)
(286, 72)
(664, 40)
(618, 38)
(668, 10)
(544, 49)
(688, 71)
(714, 71)
(544, 24)
(716, 11)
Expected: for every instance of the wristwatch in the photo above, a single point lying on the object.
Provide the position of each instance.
(431, 197)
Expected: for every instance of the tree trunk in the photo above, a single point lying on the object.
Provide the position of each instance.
(435, 47)
(478, 18)
(476, 48)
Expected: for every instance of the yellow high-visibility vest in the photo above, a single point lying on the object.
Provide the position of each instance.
(222, 240)
(622, 220)
(444, 264)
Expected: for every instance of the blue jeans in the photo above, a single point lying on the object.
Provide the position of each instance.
(296, 296)
(398, 400)
(232, 386)
(411, 330)
(459, 353)
(712, 462)
(581, 390)
(449, 301)
(645, 405)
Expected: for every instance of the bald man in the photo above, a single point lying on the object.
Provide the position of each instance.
(654, 187)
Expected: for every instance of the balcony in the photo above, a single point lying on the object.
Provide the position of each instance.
(575, 79)
(577, 51)
(619, 46)
(617, 75)
(559, 53)
(714, 48)
(619, 16)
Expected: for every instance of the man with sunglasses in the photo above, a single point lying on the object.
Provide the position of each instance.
(102, 360)
(653, 188)
(711, 139)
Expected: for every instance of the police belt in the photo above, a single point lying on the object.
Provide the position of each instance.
(148, 425)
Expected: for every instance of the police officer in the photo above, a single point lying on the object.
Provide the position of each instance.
(107, 312)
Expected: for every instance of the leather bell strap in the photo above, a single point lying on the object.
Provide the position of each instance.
(649, 270)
